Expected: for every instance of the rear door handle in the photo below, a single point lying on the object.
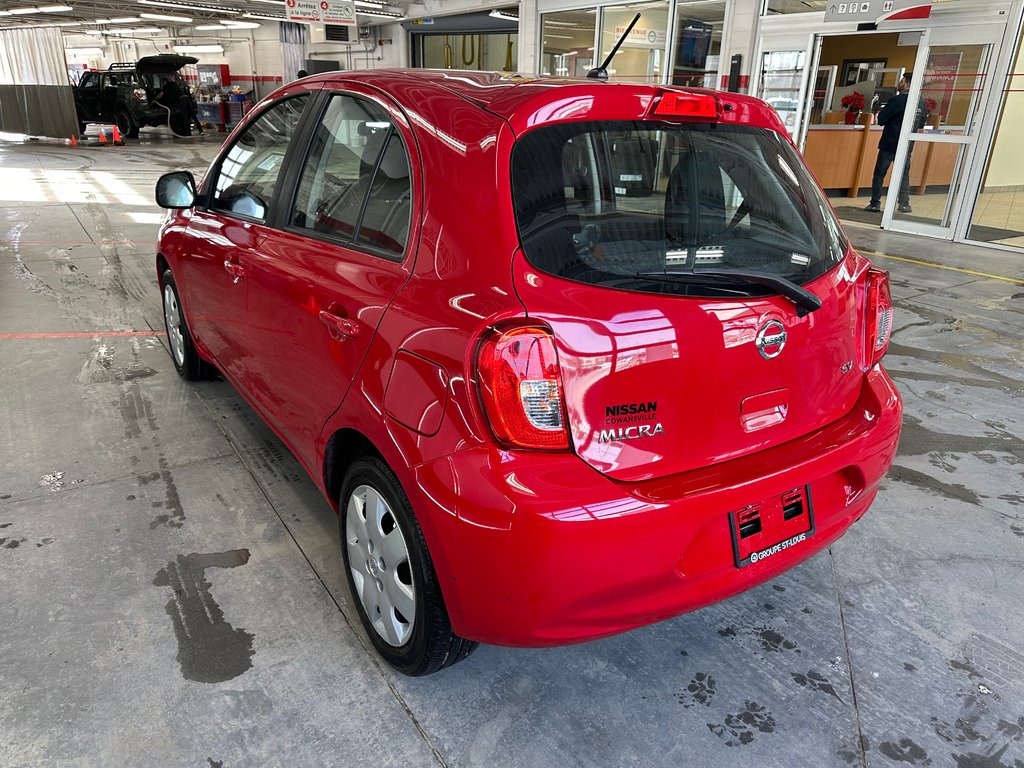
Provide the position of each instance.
(341, 327)
(237, 271)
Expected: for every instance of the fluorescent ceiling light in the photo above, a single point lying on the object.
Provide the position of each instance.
(84, 51)
(55, 8)
(210, 8)
(21, 11)
(503, 15)
(262, 16)
(133, 31)
(382, 14)
(124, 20)
(199, 49)
(165, 17)
(232, 24)
(208, 27)
(368, 4)
(558, 37)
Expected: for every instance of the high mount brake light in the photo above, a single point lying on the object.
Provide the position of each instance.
(521, 387)
(878, 326)
(696, 106)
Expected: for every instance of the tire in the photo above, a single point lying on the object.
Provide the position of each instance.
(391, 576)
(180, 126)
(125, 124)
(187, 362)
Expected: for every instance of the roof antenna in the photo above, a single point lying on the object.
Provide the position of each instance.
(601, 73)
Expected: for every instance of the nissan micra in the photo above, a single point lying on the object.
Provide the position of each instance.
(567, 357)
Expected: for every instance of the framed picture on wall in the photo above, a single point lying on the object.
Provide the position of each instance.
(858, 70)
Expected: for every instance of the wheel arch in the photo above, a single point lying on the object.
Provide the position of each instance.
(346, 445)
(343, 447)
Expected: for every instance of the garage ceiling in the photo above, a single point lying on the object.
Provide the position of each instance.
(131, 16)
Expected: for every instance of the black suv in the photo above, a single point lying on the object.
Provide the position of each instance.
(150, 91)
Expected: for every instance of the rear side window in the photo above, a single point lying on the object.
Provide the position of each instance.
(605, 203)
(356, 187)
(249, 173)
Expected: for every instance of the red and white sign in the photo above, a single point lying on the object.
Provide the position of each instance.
(321, 11)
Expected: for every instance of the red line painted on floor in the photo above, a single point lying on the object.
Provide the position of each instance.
(64, 242)
(79, 334)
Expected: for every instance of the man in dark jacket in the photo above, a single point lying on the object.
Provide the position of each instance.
(891, 120)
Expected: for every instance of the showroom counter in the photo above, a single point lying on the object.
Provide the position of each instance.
(843, 158)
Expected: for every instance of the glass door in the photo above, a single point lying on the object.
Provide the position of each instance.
(782, 76)
(939, 133)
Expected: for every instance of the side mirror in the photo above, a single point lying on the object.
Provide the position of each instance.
(176, 190)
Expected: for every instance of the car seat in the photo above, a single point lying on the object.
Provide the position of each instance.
(694, 199)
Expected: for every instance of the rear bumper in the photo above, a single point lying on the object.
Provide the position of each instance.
(548, 551)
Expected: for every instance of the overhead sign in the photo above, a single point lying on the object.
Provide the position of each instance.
(321, 11)
(874, 11)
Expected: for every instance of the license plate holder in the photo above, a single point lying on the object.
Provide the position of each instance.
(760, 531)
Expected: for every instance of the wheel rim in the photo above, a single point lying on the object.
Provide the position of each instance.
(378, 559)
(172, 319)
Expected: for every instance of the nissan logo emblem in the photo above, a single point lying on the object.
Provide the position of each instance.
(770, 339)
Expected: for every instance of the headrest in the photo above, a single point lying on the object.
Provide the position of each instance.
(394, 164)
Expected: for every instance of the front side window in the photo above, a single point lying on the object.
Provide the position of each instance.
(356, 187)
(249, 173)
(610, 203)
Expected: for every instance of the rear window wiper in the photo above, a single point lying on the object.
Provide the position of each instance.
(806, 302)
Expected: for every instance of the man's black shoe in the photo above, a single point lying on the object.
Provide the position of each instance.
(873, 208)
(905, 208)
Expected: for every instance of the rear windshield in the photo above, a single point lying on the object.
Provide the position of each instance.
(610, 203)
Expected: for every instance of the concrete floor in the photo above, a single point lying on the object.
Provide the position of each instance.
(171, 591)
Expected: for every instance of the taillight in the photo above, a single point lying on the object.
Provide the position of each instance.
(879, 316)
(521, 387)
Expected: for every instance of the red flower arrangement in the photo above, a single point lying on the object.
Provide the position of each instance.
(853, 101)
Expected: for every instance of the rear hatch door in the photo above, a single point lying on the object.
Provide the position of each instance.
(642, 247)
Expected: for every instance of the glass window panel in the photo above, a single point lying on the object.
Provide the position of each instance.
(356, 185)
(934, 179)
(999, 211)
(641, 59)
(781, 72)
(952, 88)
(248, 174)
(489, 51)
(602, 202)
(698, 44)
(567, 48)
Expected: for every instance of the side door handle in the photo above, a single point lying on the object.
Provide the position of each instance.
(341, 327)
(237, 271)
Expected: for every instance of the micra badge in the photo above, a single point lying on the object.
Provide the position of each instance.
(620, 434)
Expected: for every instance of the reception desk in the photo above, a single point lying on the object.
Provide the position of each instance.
(842, 157)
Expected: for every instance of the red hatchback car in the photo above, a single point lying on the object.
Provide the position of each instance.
(568, 357)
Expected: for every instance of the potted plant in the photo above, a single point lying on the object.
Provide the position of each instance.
(853, 103)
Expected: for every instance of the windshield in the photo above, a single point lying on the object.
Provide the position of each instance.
(608, 203)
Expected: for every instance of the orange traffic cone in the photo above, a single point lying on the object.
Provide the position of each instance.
(103, 136)
(118, 141)
(74, 140)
